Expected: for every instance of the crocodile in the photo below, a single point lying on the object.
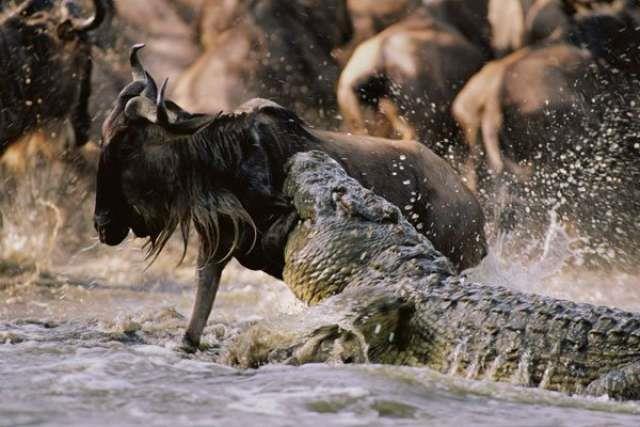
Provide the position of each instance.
(379, 292)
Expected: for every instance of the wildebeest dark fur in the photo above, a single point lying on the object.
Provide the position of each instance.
(45, 68)
(281, 50)
(163, 168)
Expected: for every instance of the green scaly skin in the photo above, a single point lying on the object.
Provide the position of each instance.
(381, 293)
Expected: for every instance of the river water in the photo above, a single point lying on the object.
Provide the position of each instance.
(88, 336)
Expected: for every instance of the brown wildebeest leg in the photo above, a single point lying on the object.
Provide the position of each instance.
(362, 67)
(208, 276)
(521, 173)
(400, 126)
(491, 124)
(378, 125)
(468, 119)
(473, 158)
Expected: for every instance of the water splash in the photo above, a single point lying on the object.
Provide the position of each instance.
(457, 357)
(536, 262)
(553, 266)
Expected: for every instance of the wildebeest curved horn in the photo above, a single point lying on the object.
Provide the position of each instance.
(163, 116)
(140, 74)
(137, 70)
(93, 22)
(151, 88)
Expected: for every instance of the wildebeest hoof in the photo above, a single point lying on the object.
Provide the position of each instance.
(188, 345)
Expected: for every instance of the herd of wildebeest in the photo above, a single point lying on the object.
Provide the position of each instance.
(500, 89)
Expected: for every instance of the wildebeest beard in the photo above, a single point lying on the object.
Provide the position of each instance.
(163, 168)
(189, 188)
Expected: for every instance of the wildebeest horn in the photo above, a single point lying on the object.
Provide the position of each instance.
(93, 22)
(149, 104)
(151, 89)
(140, 74)
(137, 70)
(175, 119)
(163, 116)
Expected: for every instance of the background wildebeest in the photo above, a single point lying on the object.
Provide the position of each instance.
(561, 117)
(270, 48)
(413, 69)
(163, 168)
(273, 49)
(544, 92)
(369, 17)
(45, 68)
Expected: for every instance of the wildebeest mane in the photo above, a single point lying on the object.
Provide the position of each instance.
(201, 195)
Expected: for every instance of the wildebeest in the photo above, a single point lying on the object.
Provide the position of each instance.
(412, 69)
(163, 168)
(519, 23)
(276, 49)
(561, 118)
(369, 17)
(528, 102)
(45, 68)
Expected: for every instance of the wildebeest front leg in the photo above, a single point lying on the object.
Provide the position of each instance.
(491, 125)
(208, 278)
(392, 114)
(362, 67)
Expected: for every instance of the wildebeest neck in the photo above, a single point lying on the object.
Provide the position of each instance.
(229, 177)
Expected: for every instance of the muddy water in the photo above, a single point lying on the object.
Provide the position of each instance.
(88, 337)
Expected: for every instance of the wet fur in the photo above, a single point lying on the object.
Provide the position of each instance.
(195, 197)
